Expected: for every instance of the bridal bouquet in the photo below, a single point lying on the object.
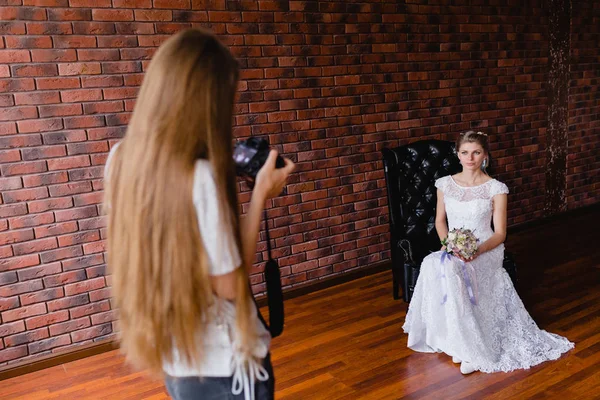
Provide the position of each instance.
(461, 242)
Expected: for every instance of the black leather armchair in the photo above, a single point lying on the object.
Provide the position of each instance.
(410, 174)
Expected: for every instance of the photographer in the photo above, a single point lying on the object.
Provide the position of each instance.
(177, 249)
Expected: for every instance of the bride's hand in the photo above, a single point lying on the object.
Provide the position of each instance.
(467, 260)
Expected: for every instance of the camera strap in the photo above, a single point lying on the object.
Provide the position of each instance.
(274, 290)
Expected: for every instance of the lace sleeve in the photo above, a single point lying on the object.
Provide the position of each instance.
(441, 183)
(498, 188)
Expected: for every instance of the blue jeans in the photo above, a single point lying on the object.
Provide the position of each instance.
(208, 388)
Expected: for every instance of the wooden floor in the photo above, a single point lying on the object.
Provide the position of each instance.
(346, 342)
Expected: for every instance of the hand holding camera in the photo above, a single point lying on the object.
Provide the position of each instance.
(270, 179)
(266, 169)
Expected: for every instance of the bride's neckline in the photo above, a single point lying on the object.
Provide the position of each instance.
(469, 187)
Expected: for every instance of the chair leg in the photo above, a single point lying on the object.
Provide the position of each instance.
(396, 282)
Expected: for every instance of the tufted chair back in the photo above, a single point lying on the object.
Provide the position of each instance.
(411, 172)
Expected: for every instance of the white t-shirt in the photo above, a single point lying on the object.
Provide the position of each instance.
(224, 257)
(220, 358)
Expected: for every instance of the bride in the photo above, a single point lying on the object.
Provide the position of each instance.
(480, 321)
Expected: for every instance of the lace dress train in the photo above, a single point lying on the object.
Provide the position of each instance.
(494, 334)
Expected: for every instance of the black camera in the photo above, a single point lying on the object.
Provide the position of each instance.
(250, 155)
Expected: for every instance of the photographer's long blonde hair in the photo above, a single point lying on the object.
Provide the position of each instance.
(160, 274)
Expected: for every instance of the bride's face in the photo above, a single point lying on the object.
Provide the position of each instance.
(471, 155)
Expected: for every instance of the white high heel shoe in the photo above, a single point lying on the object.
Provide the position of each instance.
(467, 368)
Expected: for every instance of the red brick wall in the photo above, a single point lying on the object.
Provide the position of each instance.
(331, 83)
(583, 159)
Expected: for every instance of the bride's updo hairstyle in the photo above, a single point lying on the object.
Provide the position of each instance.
(473, 137)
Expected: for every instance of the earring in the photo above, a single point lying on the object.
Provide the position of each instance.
(484, 164)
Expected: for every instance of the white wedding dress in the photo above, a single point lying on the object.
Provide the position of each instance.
(492, 330)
